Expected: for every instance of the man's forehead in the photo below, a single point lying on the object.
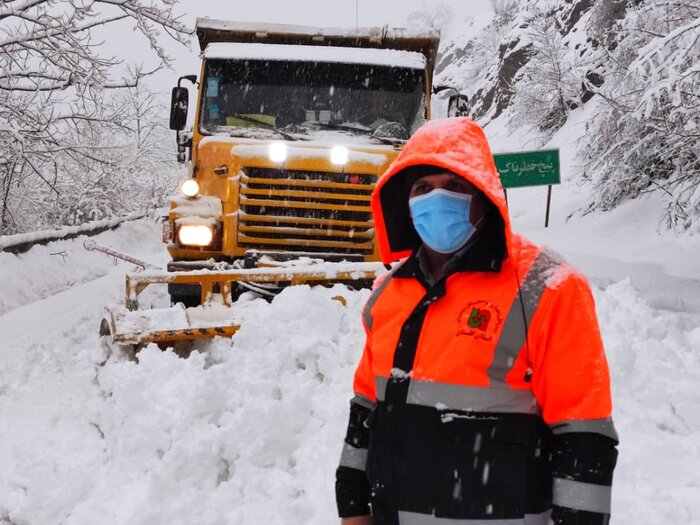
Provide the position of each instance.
(443, 177)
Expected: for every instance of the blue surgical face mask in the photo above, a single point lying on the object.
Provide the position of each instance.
(441, 218)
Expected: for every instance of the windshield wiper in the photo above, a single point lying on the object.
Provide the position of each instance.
(266, 125)
(359, 128)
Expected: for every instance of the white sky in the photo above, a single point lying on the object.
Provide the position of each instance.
(341, 13)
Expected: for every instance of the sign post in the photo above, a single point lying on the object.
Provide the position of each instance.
(529, 168)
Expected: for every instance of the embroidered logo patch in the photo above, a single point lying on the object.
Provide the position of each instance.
(479, 319)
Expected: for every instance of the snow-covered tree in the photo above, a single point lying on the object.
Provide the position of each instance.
(57, 117)
(646, 135)
(548, 86)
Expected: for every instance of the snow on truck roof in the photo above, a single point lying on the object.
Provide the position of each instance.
(292, 53)
(423, 41)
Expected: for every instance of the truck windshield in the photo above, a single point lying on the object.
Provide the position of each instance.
(303, 96)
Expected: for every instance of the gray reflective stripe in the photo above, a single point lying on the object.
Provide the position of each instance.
(461, 397)
(471, 398)
(581, 496)
(514, 336)
(363, 401)
(367, 311)
(380, 385)
(605, 427)
(413, 518)
(353, 457)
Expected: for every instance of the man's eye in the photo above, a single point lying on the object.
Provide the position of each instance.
(458, 187)
(422, 188)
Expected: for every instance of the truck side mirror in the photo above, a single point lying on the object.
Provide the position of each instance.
(178, 108)
(458, 106)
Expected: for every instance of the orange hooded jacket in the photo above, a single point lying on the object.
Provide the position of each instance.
(563, 347)
(518, 338)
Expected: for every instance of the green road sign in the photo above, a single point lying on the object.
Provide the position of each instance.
(529, 168)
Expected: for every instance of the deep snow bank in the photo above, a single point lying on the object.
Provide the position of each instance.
(250, 431)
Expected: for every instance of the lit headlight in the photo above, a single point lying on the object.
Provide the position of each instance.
(190, 188)
(278, 152)
(339, 155)
(195, 235)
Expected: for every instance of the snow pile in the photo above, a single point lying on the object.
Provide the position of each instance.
(655, 366)
(249, 432)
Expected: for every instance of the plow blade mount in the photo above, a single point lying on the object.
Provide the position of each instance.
(128, 327)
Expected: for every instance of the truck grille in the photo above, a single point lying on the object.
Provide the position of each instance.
(308, 211)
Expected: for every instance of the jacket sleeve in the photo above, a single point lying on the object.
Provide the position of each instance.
(571, 382)
(352, 490)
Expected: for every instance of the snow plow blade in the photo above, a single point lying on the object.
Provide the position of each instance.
(128, 327)
(177, 323)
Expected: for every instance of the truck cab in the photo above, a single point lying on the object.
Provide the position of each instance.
(292, 128)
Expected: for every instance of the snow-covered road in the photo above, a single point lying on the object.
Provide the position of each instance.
(249, 431)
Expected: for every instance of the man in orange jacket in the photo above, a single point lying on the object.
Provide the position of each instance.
(483, 392)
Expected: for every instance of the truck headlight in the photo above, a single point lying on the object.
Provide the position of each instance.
(190, 188)
(339, 155)
(278, 152)
(195, 234)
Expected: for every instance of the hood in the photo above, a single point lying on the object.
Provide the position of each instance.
(458, 145)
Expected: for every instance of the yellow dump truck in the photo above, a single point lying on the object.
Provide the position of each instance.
(292, 127)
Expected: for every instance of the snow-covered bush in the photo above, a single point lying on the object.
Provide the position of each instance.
(645, 135)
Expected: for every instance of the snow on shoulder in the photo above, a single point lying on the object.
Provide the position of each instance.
(333, 54)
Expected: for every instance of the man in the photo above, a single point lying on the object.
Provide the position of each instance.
(483, 393)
